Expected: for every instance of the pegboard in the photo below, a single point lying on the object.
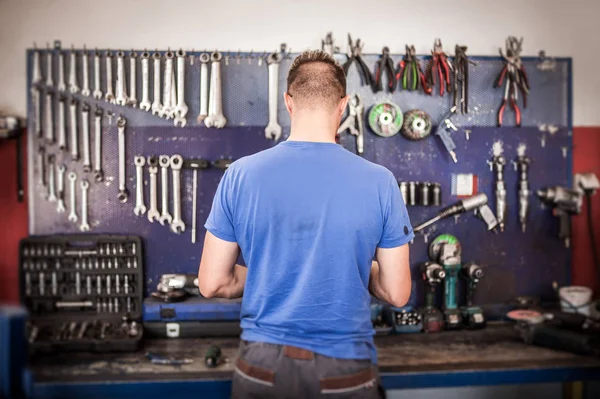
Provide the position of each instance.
(515, 263)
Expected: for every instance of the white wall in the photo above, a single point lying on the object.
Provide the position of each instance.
(561, 27)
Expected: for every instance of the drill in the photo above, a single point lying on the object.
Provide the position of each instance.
(433, 274)
(564, 202)
(472, 315)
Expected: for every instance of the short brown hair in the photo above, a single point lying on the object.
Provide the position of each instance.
(316, 80)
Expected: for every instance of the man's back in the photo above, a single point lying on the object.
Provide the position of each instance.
(308, 218)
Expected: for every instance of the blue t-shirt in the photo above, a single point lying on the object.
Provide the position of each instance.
(308, 218)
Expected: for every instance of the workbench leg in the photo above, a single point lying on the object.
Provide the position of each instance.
(573, 390)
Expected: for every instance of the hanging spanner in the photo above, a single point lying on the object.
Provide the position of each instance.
(41, 166)
(49, 127)
(36, 74)
(168, 109)
(153, 170)
(85, 89)
(62, 124)
(204, 60)
(181, 109)
(145, 103)
(72, 194)
(123, 193)
(73, 86)
(85, 131)
(49, 82)
(133, 79)
(273, 129)
(37, 109)
(98, 173)
(109, 96)
(164, 162)
(139, 163)
(177, 225)
(97, 89)
(84, 206)
(60, 189)
(51, 181)
(61, 71)
(215, 116)
(156, 105)
(120, 89)
(195, 164)
(74, 134)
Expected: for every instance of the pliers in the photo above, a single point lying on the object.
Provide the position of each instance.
(516, 79)
(461, 78)
(355, 55)
(409, 72)
(441, 66)
(385, 65)
(354, 123)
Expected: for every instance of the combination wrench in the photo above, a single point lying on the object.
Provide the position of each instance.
(61, 71)
(74, 136)
(123, 193)
(37, 109)
(215, 116)
(133, 79)
(156, 105)
(168, 108)
(98, 173)
(41, 166)
(177, 225)
(153, 170)
(49, 82)
(139, 163)
(72, 187)
(73, 86)
(97, 89)
(49, 128)
(181, 109)
(85, 131)
(204, 60)
(85, 185)
(164, 162)
(62, 124)
(109, 96)
(273, 129)
(85, 89)
(145, 103)
(51, 181)
(36, 77)
(120, 89)
(60, 189)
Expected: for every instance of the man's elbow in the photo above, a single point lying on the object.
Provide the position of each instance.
(400, 298)
(208, 287)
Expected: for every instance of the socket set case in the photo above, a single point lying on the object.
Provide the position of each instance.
(83, 292)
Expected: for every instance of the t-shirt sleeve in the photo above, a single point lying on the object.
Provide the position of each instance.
(220, 219)
(397, 229)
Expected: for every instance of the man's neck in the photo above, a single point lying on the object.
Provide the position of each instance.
(313, 128)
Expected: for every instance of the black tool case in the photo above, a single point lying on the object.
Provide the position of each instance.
(83, 292)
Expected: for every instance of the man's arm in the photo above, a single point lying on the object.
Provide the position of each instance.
(218, 275)
(390, 275)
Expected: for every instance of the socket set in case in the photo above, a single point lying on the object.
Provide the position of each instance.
(83, 292)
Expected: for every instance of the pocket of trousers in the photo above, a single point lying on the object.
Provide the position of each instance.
(259, 375)
(362, 380)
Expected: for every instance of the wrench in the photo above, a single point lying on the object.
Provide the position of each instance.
(145, 103)
(97, 91)
(41, 161)
(156, 105)
(37, 105)
(177, 225)
(85, 131)
(109, 96)
(49, 82)
(153, 169)
(168, 107)
(98, 174)
(61, 71)
(165, 216)
(73, 213)
(132, 79)
(51, 192)
(123, 193)
(215, 112)
(140, 208)
(204, 60)
(73, 86)
(85, 90)
(49, 118)
(74, 135)
(181, 109)
(37, 70)
(62, 124)
(120, 89)
(60, 189)
(84, 206)
(273, 129)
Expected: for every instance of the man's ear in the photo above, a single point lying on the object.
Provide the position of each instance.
(288, 102)
(343, 104)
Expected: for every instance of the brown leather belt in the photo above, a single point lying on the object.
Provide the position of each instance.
(297, 353)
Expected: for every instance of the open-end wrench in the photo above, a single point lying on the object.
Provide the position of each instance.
(72, 194)
(98, 173)
(204, 60)
(133, 79)
(97, 90)
(61, 71)
(36, 77)
(85, 89)
(168, 109)
(60, 189)
(74, 136)
(109, 96)
(273, 129)
(156, 105)
(181, 109)
(62, 124)
(37, 109)
(73, 86)
(41, 166)
(85, 226)
(51, 181)
(120, 89)
(49, 82)
(215, 116)
(153, 170)
(123, 193)
(49, 127)
(164, 162)
(177, 225)
(139, 163)
(145, 103)
(85, 131)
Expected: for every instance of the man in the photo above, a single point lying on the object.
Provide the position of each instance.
(308, 216)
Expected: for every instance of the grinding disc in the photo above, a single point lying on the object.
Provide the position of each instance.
(417, 125)
(528, 316)
(385, 119)
(434, 247)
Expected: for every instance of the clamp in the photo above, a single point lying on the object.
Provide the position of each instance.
(441, 66)
(355, 55)
(354, 123)
(410, 74)
(385, 65)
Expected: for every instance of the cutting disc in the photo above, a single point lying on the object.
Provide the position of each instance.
(385, 119)
(417, 125)
(528, 316)
(434, 247)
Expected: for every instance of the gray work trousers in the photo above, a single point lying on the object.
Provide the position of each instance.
(277, 371)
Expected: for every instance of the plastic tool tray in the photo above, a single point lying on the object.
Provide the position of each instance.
(83, 292)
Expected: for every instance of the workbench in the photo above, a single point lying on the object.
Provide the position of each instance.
(493, 356)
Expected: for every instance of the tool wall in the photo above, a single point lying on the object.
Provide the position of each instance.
(516, 263)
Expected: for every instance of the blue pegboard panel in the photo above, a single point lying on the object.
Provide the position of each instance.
(516, 263)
